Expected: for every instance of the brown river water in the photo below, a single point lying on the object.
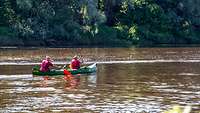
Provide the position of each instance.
(128, 80)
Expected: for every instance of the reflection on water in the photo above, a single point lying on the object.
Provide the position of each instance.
(35, 55)
(141, 87)
(135, 86)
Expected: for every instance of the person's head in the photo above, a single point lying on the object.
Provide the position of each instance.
(48, 58)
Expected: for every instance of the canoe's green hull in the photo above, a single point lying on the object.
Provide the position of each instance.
(82, 70)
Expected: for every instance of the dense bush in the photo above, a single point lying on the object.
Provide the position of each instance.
(99, 22)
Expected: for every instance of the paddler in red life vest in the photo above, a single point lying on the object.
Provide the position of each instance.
(75, 63)
(46, 64)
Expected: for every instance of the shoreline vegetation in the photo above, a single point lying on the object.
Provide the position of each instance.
(99, 23)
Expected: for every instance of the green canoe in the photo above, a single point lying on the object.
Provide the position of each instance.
(86, 69)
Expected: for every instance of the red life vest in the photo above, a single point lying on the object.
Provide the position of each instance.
(44, 67)
(75, 64)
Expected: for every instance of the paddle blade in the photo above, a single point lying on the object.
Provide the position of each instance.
(68, 75)
(67, 72)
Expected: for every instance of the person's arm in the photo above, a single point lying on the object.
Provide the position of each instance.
(50, 65)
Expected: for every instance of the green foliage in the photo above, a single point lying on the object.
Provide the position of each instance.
(133, 33)
(106, 33)
(122, 31)
(24, 4)
(8, 14)
(147, 20)
(101, 5)
(6, 31)
(98, 21)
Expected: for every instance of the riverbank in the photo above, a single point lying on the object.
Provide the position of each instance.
(19, 42)
(10, 42)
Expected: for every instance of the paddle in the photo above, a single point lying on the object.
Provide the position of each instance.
(68, 75)
(67, 72)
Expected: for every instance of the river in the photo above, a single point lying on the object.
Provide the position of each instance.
(138, 80)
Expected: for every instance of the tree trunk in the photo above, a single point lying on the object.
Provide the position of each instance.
(13, 4)
(109, 4)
